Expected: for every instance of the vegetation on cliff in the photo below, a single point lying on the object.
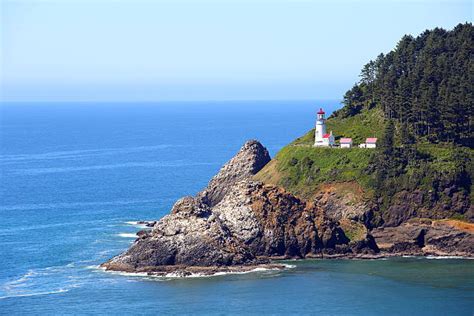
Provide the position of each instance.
(424, 84)
(418, 101)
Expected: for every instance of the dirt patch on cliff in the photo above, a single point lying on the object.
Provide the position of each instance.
(456, 224)
(351, 191)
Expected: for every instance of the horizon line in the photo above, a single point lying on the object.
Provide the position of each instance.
(165, 101)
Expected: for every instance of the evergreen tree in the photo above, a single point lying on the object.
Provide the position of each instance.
(426, 83)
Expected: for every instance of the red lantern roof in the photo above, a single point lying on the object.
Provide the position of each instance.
(321, 111)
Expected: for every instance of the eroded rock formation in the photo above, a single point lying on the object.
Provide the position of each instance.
(237, 221)
(427, 237)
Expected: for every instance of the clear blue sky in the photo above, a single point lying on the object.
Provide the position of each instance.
(83, 50)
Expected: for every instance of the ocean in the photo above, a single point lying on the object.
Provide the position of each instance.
(75, 177)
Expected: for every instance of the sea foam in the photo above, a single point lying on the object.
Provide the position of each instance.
(34, 294)
(177, 275)
(136, 224)
(127, 235)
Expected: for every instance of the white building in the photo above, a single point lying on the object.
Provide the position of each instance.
(345, 142)
(321, 138)
(370, 142)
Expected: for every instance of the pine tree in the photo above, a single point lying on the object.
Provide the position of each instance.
(426, 82)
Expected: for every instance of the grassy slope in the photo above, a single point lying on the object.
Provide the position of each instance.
(368, 123)
(301, 168)
(307, 171)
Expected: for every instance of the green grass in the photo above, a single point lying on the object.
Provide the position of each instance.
(302, 169)
(305, 140)
(305, 170)
(353, 230)
(368, 123)
(442, 155)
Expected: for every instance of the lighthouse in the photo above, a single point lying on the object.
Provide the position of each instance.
(321, 138)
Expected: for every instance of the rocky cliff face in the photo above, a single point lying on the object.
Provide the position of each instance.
(237, 221)
(427, 237)
(418, 204)
(251, 158)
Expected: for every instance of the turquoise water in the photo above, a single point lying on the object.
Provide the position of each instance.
(74, 175)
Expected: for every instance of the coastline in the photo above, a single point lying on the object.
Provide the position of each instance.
(182, 271)
(275, 264)
(237, 224)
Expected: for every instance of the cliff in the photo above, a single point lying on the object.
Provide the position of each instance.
(410, 196)
(237, 221)
(422, 116)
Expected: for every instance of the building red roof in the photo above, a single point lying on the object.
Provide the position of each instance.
(326, 135)
(345, 140)
(321, 111)
(371, 140)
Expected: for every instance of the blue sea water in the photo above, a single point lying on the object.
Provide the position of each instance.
(74, 177)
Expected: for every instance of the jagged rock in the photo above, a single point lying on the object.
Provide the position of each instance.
(366, 246)
(189, 205)
(419, 204)
(147, 223)
(345, 201)
(250, 224)
(251, 158)
(235, 221)
(239, 222)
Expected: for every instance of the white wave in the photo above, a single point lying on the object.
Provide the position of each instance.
(127, 235)
(177, 275)
(431, 257)
(137, 224)
(133, 223)
(20, 281)
(93, 267)
(289, 266)
(448, 257)
(37, 282)
(34, 294)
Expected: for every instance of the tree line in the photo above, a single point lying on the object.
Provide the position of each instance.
(425, 85)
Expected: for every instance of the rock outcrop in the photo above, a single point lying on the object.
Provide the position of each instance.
(236, 221)
(251, 158)
(418, 204)
(427, 237)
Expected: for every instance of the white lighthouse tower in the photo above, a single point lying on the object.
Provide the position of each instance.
(321, 138)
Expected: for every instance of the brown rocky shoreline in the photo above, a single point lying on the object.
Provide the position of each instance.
(238, 224)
